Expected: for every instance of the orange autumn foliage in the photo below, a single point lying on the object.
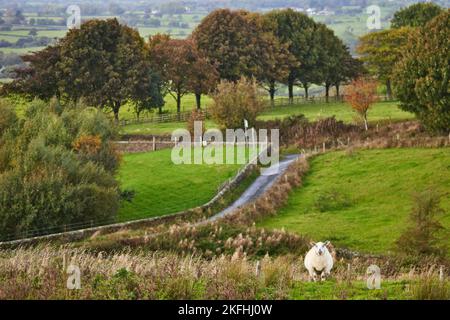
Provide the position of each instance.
(88, 144)
(361, 95)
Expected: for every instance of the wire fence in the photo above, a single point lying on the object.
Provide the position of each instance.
(95, 223)
(269, 104)
(109, 221)
(162, 118)
(30, 233)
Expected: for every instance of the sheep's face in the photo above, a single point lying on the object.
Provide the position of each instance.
(320, 247)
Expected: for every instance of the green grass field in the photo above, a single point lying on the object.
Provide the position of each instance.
(342, 111)
(379, 185)
(162, 187)
(314, 111)
(164, 128)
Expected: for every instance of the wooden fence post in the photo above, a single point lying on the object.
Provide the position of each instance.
(258, 269)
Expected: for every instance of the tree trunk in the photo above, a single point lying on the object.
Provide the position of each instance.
(159, 110)
(291, 91)
(365, 122)
(178, 102)
(327, 93)
(116, 108)
(305, 85)
(272, 94)
(388, 89)
(337, 91)
(198, 100)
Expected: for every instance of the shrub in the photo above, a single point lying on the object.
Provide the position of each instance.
(424, 235)
(8, 117)
(429, 287)
(234, 102)
(196, 115)
(332, 200)
(57, 167)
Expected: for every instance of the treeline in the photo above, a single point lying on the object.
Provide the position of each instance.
(29, 41)
(107, 64)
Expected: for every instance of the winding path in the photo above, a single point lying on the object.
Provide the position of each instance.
(258, 187)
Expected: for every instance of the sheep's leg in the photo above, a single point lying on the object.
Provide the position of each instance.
(312, 276)
(325, 275)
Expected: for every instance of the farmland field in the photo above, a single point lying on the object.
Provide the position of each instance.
(162, 187)
(313, 111)
(379, 185)
(342, 111)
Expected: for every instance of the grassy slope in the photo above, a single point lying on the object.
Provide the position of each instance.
(162, 187)
(342, 111)
(380, 183)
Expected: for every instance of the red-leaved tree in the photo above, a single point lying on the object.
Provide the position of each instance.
(361, 95)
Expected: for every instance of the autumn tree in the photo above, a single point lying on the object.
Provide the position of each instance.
(151, 99)
(203, 77)
(348, 69)
(421, 79)
(235, 101)
(297, 31)
(236, 43)
(361, 94)
(381, 50)
(276, 59)
(103, 62)
(39, 76)
(332, 51)
(182, 67)
(229, 41)
(416, 15)
(106, 63)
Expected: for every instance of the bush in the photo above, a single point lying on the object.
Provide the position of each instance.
(57, 167)
(234, 102)
(196, 115)
(429, 287)
(424, 235)
(332, 200)
(8, 117)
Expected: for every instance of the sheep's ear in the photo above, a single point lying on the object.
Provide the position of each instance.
(312, 244)
(327, 243)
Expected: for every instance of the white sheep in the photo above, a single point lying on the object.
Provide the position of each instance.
(318, 260)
